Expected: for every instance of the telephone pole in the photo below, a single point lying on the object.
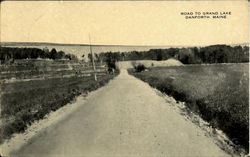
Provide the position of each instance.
(92, 56)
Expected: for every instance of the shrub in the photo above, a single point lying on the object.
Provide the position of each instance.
(139, 68)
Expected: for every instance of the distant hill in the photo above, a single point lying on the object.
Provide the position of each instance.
(64, 44)
(37, 44)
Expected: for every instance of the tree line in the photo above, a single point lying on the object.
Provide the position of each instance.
(12, 53)
(191, 55)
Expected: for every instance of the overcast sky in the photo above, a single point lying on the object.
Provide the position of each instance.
(123, 23)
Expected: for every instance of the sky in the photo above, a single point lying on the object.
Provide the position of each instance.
(123, 22)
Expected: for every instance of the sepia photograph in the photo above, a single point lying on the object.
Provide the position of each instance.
(124, 78)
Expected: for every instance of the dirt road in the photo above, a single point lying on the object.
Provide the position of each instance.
(124, 118)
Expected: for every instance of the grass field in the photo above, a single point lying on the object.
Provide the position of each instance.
(219, 93)
(34, 69)
(24, 102)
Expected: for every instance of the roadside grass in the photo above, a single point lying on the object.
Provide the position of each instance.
(24, 102)
(218, 93)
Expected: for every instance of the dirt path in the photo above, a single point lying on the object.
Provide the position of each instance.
(124, 118)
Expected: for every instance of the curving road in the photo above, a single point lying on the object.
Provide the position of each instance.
(126, 118)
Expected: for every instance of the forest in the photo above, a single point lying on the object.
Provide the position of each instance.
(12, 53)
(192, 55)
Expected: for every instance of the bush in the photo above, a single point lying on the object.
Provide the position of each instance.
(139, 68)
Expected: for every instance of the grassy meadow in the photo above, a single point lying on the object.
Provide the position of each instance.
(219, 93)
(27, 101)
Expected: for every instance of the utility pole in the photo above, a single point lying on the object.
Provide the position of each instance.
(93, 62)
